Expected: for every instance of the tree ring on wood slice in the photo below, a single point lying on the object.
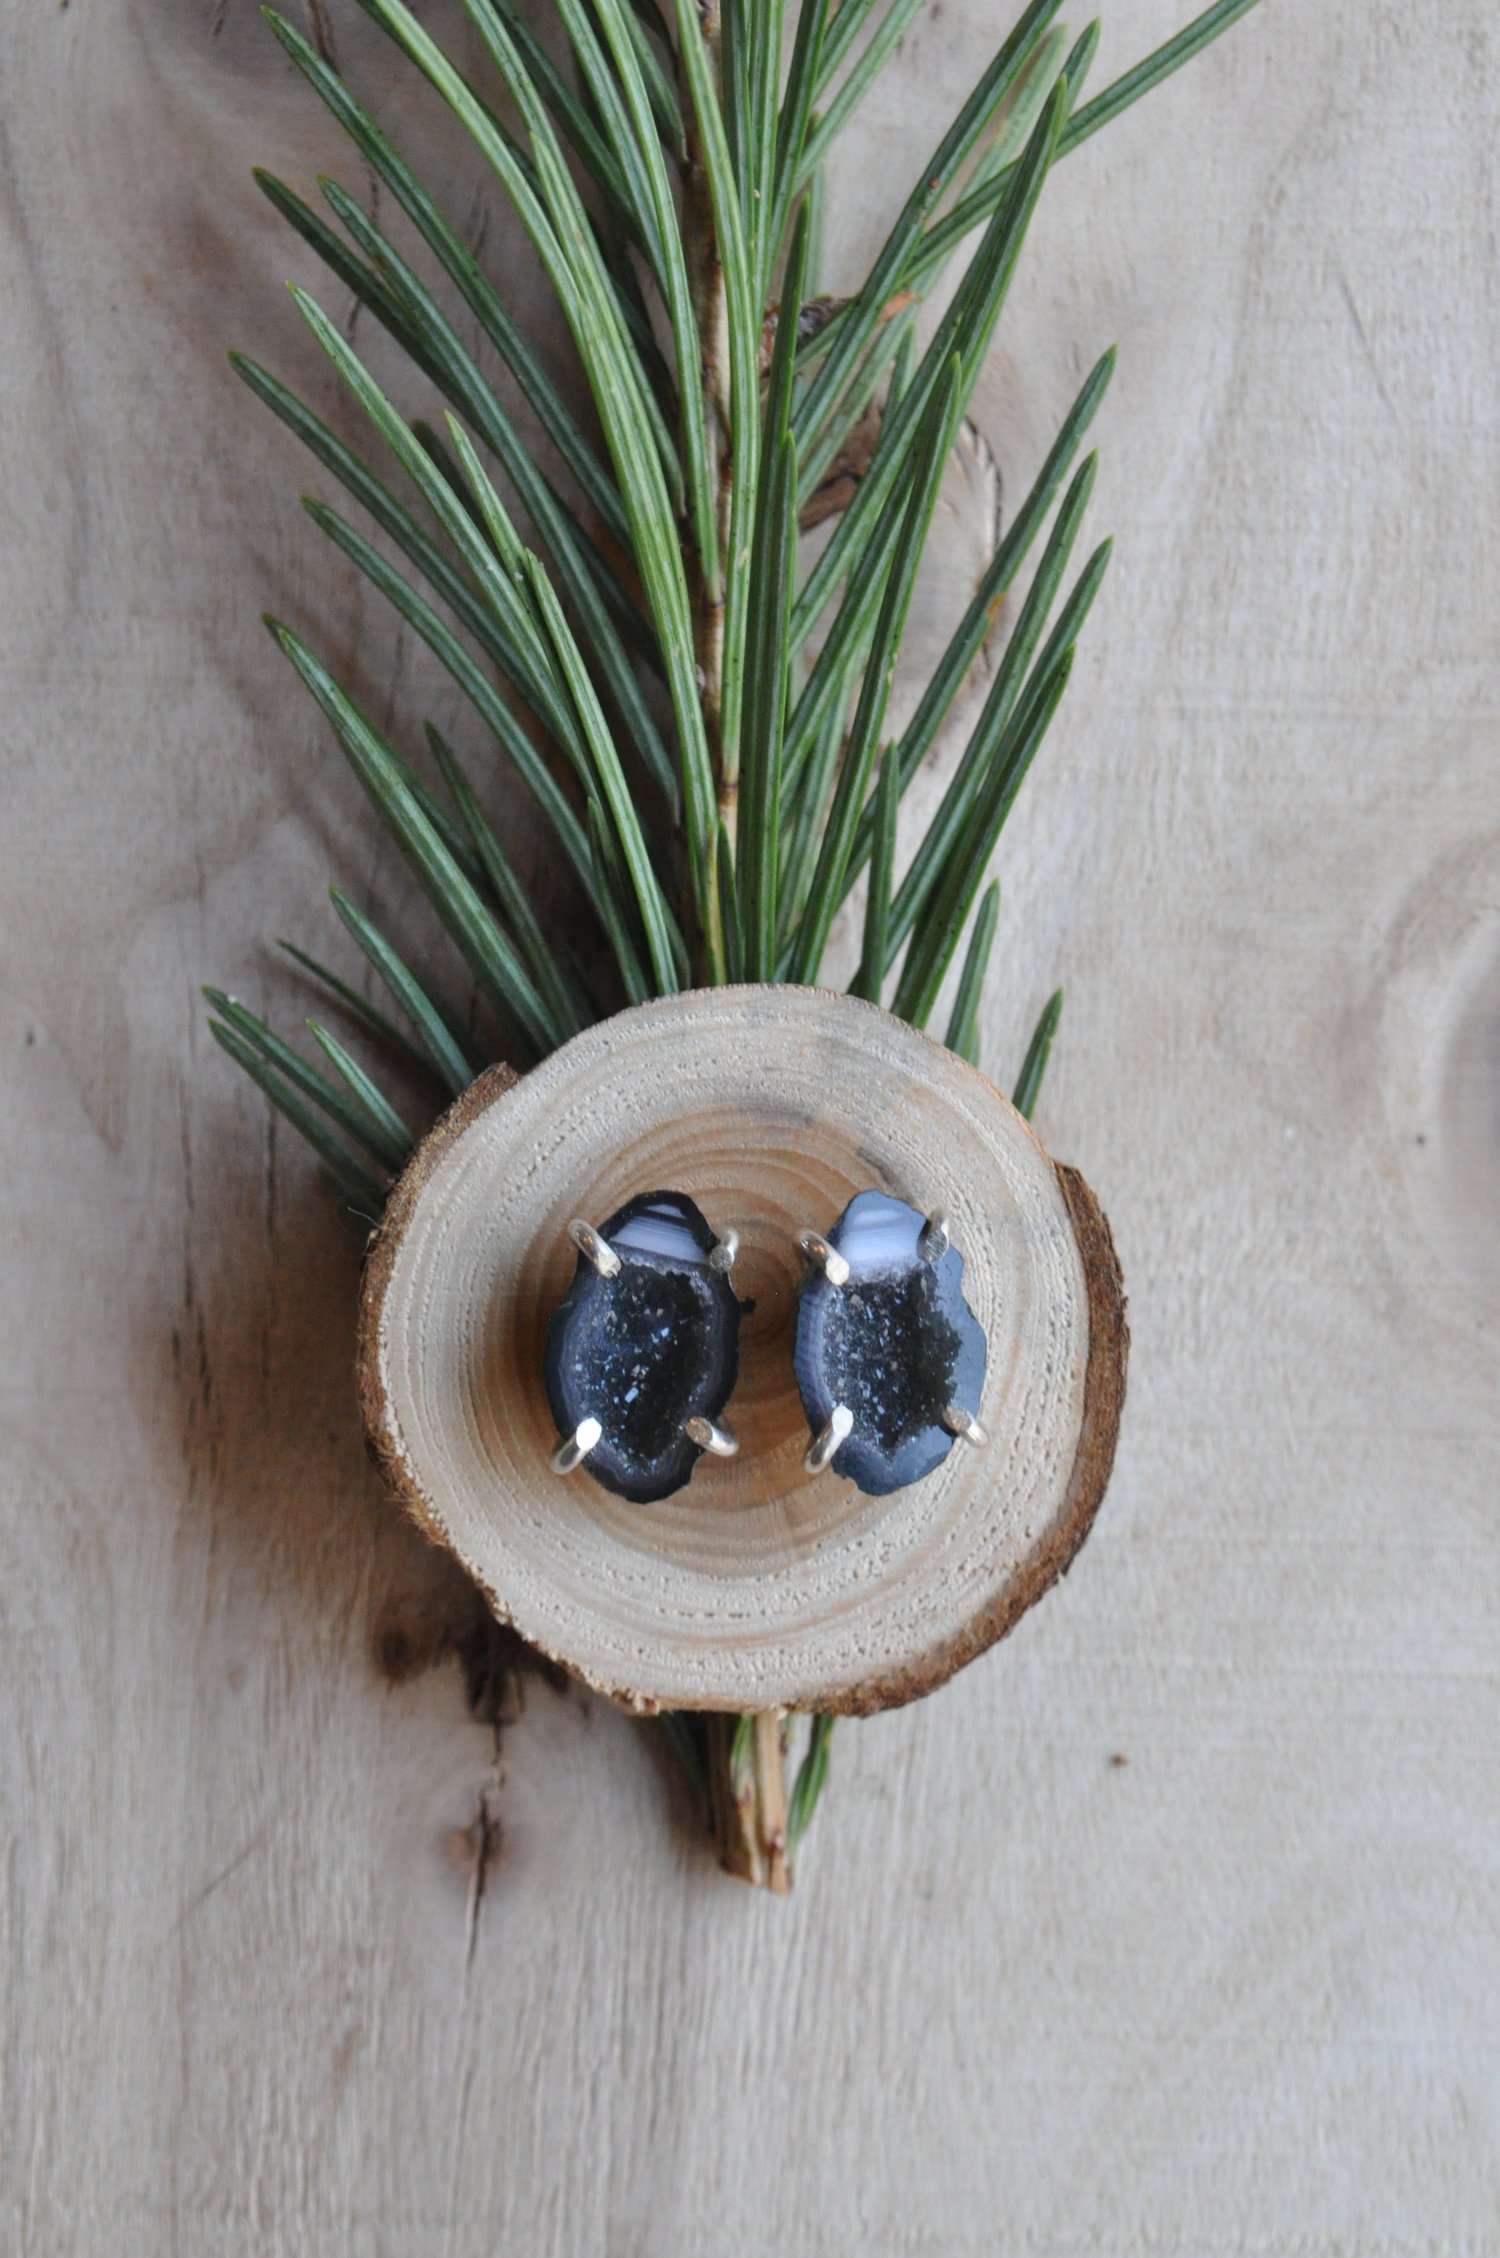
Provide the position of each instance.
(758, 1586)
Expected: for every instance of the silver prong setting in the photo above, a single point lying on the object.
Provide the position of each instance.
(826, 1445)
(935, 1237)
(722, 1253)
(593, 1248)
(574, 1449)
(964, 1425)
(824, 1257)
(711, 1436)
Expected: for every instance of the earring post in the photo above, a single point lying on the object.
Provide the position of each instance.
(935, 1237)
(574, 1449)
(829, 1441)
(714, 1437)
(594, 1248)
(824, 1257)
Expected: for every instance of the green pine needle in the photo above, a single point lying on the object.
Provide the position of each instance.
(869, 981)
(1038, 1050)
(963, 1025)
(352, 1179)
(385, 1133)
(452, 1064)
(812, 1776)
(368, 1014)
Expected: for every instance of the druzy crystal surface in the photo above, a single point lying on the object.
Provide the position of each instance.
(647, 1349)
(896, 1343)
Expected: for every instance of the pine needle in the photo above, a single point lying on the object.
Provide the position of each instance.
(963, 1025)
(1028, 1088)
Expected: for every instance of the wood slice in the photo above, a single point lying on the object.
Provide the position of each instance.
(758, 1586)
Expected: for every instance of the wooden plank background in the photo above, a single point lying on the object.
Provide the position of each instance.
(1171, 1929)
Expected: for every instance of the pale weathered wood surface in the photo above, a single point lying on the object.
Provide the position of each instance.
(1172, 1928)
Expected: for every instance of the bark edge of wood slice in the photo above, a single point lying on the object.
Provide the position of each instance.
(757, 1586)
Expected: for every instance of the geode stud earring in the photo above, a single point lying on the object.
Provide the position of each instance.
(643, 1349)
(889, 1357)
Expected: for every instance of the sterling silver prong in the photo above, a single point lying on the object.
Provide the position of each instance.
(593, 1249)
(934, 1238)
(961, 1422)
(824, 1446)
(572, 1452)
(824, 1257)
(721, 1441)
(722, 1253)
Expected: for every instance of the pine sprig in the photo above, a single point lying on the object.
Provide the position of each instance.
(629, 630)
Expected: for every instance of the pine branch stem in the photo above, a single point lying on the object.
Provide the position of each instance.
(660, 219)
(706, 273)
(747, 1788)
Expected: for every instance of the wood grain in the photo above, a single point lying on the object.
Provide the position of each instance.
(316, 1943)
(758, 1586)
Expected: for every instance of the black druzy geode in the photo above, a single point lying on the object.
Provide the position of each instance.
(896, 1344)
(647, 1349)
